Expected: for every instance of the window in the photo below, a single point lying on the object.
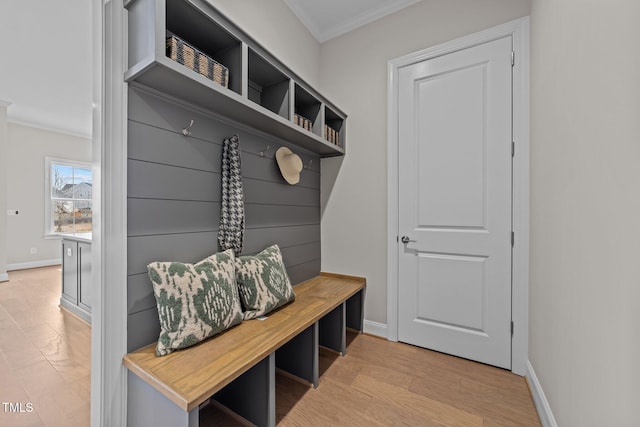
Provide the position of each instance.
(68, 195)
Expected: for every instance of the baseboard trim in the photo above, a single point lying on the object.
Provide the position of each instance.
(4, 277)
(33, 264)
(539, 399)
(375, 328)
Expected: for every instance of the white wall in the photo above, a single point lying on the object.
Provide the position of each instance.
(585, 210)
(354, 77)
(27, 148)
(3, 190)
(45, 73)
(272, 24)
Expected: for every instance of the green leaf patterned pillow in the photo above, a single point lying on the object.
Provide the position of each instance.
(263, 282)
(195, 301)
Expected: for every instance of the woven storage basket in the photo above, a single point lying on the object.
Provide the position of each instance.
(331, 135)
(187, 55)
(302, 122)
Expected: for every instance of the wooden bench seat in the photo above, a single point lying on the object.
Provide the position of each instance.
(191, 376)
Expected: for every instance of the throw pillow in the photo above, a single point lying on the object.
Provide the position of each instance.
(195, 301)
(263, 282)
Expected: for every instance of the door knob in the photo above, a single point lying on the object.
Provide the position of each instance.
(406, 239)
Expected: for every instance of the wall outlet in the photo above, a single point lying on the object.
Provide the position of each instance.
(34, 251)
(13, 212)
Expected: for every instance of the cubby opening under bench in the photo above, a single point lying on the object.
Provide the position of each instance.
(237, 368)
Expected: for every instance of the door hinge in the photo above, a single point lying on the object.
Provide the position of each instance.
(513, 148)
(512, 328)
(513, 238)
(513, 58)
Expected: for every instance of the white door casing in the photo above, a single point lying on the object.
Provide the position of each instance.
(455, 202)
(441, 260)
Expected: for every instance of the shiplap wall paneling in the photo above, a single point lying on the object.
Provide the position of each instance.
(174, 199)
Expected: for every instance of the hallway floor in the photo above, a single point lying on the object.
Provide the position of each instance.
(45, 353)
(382, 383)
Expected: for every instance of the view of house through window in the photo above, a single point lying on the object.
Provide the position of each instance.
(71, 192)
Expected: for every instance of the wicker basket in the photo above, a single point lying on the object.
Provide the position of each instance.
(303, 122)
(331, 135)
(187, 55)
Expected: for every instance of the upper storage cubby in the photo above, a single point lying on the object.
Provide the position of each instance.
(211, 50)
(188, 50)
(334, 127)
(307, 111)
(268, 86)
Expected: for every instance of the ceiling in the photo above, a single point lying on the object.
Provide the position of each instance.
(327, 19)
(46, 69)
(45, 66)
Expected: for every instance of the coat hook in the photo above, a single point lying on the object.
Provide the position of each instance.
(263, 153)
(186, 131)
(307, 166)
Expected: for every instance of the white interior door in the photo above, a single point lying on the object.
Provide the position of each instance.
(455, 164)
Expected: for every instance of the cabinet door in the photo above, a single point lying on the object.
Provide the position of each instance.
(84, 255)
(70, 270)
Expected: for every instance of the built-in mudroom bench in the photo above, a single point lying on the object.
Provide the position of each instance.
(195, 80)
(237, 368)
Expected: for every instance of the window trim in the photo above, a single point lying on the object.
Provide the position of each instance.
(48, 217)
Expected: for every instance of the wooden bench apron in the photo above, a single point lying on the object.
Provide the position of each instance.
(237, 367)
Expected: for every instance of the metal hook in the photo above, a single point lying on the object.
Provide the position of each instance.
(186, 131)
(309, 165)
(263, 153)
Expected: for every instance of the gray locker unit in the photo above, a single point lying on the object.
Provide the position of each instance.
(178, 119)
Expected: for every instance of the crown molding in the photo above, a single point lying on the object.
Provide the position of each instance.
(364, 19)
(323, 35)
(305, 18)
(38, 124)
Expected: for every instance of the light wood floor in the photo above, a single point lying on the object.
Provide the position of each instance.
(45, 353)
(380, 383)
(45, 360)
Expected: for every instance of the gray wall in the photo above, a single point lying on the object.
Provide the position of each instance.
(173, 185)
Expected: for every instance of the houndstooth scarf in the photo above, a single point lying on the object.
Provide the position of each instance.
(231, 232)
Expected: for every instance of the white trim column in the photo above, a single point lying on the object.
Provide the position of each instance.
(109, 248)
(4, 151)
(519, 31)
